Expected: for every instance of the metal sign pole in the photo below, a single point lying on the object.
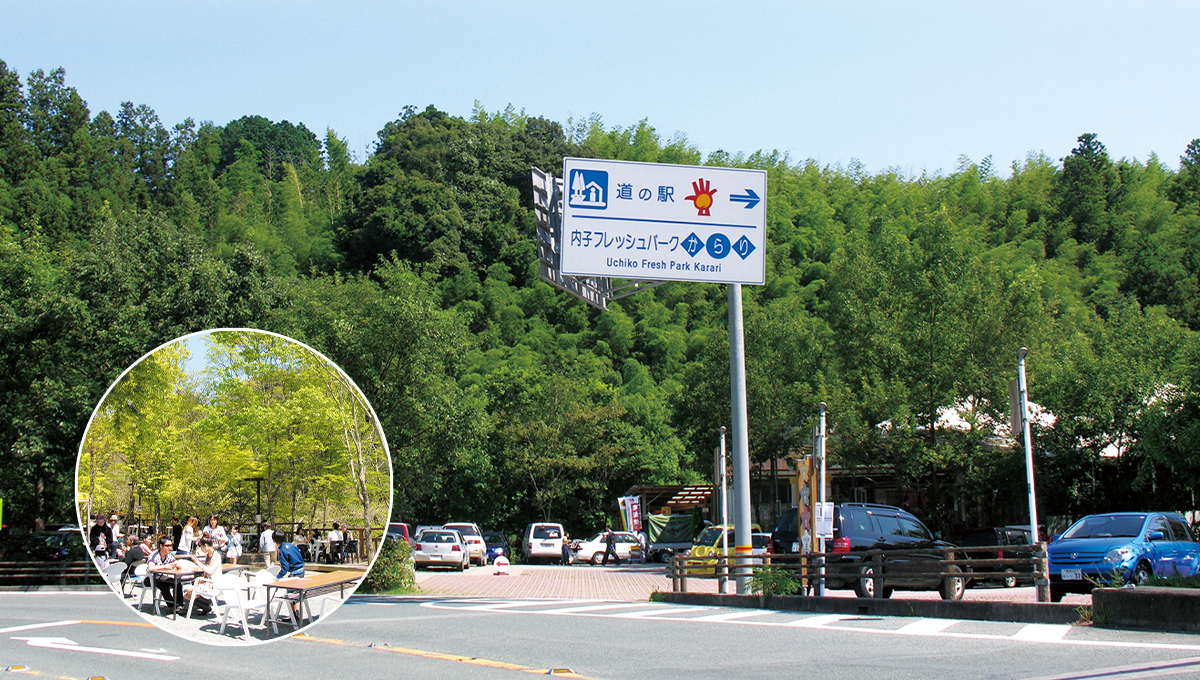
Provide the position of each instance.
(820, 535)
(1043, 590)
(741, 441)
(724, 509)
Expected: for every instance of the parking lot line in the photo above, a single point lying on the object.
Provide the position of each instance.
(927, 626)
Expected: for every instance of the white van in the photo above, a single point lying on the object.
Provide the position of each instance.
(543, 541)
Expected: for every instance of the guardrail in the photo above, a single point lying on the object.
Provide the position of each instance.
(885, 568)
(75, 573)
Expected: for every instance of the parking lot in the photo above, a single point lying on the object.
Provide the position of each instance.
(631, 582)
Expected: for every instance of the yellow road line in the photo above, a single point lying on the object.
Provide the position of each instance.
(474, 661)
(133, 624)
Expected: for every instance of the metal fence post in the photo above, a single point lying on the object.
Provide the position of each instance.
(877, 575)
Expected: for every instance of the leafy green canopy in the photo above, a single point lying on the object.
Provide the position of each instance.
(893, 298)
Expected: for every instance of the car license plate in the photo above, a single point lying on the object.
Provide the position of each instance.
(547, 545)
(1072, 574)
(435, 557)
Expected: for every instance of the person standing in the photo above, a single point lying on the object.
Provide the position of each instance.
(216, 532)
(99, 539)
(335, 544)
(176, 531)
(234, 550)
(566, 549)
(266, 543)
(190, 533)
(114, 527)
(610, 547)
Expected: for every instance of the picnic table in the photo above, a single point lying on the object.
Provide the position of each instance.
(185, 573)
(297, 591)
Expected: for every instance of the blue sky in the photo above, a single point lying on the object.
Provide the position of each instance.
(910, 86)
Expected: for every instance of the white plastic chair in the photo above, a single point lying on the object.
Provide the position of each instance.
(196, 586)
(231, 589)
(138, 579)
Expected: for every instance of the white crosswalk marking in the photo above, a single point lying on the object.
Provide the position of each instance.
(927, 626)
(1042, 632)
(651, 612)
(733, 616)
(598, 608)
(818, 621)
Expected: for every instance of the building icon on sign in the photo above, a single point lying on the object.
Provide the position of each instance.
(589, 189)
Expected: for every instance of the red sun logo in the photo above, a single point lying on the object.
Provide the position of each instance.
(701, 196)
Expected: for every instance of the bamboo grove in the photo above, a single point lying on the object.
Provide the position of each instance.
(892, 297)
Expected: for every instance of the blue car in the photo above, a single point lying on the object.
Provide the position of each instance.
(497, 545)
(1118, 548)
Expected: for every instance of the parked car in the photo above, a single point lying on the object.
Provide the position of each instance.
(543, 541)
(1121, 547)
(45, 546)
(625, 543)
(999, 537)
(708, 544)
(441, 548)
(399, 531)
(474, 538)
(859, 527)
(497, 545)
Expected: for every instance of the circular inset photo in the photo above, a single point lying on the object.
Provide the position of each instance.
(234, 486)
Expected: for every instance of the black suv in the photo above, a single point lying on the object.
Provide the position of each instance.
(859, 527)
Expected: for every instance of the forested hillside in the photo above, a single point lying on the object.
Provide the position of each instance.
(890, 297)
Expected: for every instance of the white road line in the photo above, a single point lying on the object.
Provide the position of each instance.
(1042, 632)
(927, 626)
(655, 612)
(597, 608)
(818, 621)
(35, 626)
(72, 646)
(733, 616)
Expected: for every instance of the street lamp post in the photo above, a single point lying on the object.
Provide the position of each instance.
(257, 496)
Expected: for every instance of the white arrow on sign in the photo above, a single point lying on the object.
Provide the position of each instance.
(71, 645)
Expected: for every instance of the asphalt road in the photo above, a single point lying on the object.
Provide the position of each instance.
(83, 635)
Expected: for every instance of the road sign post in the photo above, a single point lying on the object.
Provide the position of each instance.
(647, 223)
(664, 222)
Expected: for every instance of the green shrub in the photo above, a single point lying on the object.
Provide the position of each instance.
(774, 581)
(392, 571)
(1175, 581)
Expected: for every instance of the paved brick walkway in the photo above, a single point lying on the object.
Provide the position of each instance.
(631, 582)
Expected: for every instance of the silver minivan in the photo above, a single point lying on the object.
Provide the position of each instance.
(543, 541)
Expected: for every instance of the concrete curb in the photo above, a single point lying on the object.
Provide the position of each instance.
(933, 609)
(1170, 610)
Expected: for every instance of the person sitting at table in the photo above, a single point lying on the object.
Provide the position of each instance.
(209, 561)
(163, 560)
(290, 561)
(139, 552)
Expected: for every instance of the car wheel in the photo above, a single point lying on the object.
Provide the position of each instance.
(952, 587)
(865, 585)
(1010, 578)
(1142, 574)
(597, 558)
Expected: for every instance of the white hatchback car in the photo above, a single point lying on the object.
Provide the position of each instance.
(441, 548)
(474, 538)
